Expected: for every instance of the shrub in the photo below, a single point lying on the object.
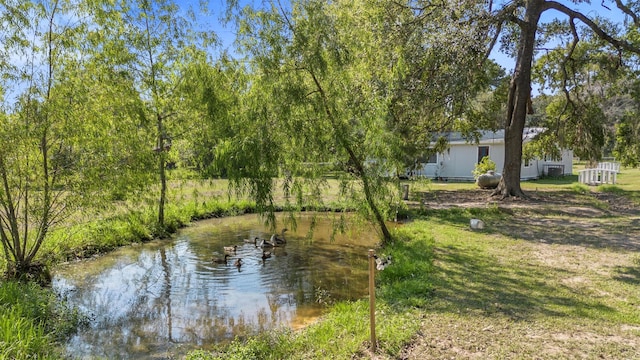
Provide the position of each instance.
(483, 166)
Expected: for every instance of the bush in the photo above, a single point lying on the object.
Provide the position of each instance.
(483, 167)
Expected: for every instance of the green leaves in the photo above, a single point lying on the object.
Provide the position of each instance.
(627, 147)
(97, 90)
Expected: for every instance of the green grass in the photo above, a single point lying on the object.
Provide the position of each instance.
(32, 320)
(103, 235)
(504, 277)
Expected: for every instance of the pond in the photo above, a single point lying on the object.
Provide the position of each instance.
(165, 298)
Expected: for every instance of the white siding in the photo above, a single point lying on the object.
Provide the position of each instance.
(458, 162)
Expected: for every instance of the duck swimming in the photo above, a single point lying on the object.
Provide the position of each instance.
(266, 244)
(218, 260)
(238, 262)
(231, 249)
(266, 254)
(253, 241)
(279, 239)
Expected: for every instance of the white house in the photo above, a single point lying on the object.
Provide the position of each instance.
(459, 160)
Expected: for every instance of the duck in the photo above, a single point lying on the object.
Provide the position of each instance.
(218, 260)
(238, 262)
(266, 254)
(253, 241)
(279, 239)
(231, 249)
(266, 244)
(382, 262)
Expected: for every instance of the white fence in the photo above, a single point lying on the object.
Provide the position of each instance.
(598, 175)
(614, 166)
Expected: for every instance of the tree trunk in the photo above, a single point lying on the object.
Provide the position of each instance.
(517, 105)
(386, 235)
(162, 170)
(366, 185)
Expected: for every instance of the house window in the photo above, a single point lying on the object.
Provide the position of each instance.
(433, 158)
(482, 152)
(527, 163)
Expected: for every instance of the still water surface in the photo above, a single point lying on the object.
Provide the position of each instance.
(164, 298)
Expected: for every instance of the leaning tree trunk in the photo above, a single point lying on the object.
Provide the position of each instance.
(386, 235)
(519, 103)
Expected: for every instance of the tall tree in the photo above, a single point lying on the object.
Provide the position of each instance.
(57, 151)
(524, 21)
(156, 39)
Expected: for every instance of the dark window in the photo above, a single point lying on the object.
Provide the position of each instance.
(482, 152)
(433, 158)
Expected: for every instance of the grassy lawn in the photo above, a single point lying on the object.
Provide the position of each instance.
(532, 286)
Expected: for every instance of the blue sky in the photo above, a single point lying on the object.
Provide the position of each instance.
(227, 35)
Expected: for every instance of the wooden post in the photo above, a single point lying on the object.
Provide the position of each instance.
(405, 192)
(372, 300)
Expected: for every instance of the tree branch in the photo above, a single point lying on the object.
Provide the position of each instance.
(572, 14)
(494, 40)
(627, 11)
(565, 75)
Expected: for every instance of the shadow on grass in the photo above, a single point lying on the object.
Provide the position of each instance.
(468, 282)
(459, 276)
(628, 274)
(579, 227)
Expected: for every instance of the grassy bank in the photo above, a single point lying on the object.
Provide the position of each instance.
(103, 235)
(32, 321)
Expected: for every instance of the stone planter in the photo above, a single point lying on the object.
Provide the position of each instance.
(489, 180)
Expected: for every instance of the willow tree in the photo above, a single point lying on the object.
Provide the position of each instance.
(522, 23)
(154, 42)
(349, 85)
(58, 152)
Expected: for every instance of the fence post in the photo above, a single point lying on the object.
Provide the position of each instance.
(372, 300)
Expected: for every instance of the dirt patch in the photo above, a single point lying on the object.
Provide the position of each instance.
(485, 338)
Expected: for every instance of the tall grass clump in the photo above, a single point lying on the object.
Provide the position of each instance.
(580, 188)
(32, 320)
